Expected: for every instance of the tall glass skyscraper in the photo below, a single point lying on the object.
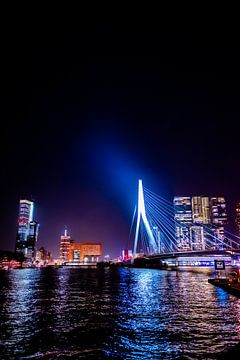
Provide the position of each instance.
(27, 231)
(183, 221)
(32, 239)
(218, 216)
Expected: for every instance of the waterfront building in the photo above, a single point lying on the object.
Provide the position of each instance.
(85, 252)
(200, 210)
(183, 221)
(199, 222)
(218, 217)
(238, 217)
(201, 218)
(27, 231)
(127, 255)
(197, 238)
(65, 242)
(32, 239)
(42, 255)
(24, 218)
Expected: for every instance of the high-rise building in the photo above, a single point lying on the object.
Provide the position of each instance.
(218, 217)
(183, 221)
(200, 219)
(200, 210)
(27, 232)
(43, 256)
(24, 218)
(32, 239)
(199, 222)
(238, 217)
(197, 236)
(206, 210)
(65, 242)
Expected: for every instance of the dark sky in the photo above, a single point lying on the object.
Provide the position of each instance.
(86, 112)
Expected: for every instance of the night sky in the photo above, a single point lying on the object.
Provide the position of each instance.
(87, 112)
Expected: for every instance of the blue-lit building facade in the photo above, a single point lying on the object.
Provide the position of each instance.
(27, 232)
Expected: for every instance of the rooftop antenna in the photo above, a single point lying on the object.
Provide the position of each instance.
(65, 231)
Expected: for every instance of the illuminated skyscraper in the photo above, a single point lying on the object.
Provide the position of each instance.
(24, 218)
(183, 221)
(199, 221)
(218, 216)
(200, 217)
(238, 217)
(27, 229)
(200, 210)
(65, 242)
(197, 237)
(32, 239)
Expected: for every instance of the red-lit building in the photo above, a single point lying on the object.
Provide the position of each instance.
(65, 242)
(126, 255)
(85, 252)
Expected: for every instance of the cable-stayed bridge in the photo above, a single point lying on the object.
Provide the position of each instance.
(160, 234)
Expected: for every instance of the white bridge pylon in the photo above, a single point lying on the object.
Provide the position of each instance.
(141, 214)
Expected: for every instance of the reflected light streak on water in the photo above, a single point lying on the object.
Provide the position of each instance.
(114, 314)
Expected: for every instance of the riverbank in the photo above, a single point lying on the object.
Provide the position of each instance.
(224, 283)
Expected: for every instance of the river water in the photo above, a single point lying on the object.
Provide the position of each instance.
(114, 314)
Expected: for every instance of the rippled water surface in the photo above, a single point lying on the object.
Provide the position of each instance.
(114, 314)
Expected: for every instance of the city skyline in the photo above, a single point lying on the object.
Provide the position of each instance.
(200, 222)
(81, 125)
(194, 212)
(120, 192)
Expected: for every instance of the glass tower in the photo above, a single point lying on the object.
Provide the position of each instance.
(218, 218)
(27, 231)
(183, 221)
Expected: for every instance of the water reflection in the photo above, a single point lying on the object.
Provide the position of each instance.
(164, 316)
(116, 314)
